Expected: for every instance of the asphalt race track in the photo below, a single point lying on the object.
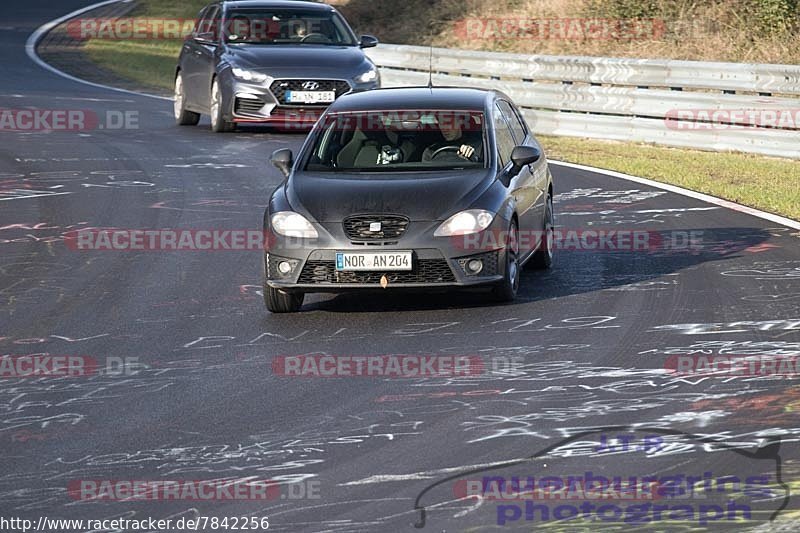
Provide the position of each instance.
(584, 348)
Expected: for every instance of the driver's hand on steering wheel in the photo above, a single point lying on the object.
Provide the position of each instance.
(466, 151)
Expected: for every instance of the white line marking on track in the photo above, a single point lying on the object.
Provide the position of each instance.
(36, 36)
(429, 474)
(21, 194)
(686, 192)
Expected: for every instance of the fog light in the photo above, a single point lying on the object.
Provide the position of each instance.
(474, 266)
(284, 267)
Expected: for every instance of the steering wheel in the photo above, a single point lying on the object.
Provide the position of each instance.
(325, 38)
(444, 149)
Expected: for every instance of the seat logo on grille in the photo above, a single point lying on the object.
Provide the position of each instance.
(310, 85)
(374, 226)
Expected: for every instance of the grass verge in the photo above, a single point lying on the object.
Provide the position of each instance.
(148, 63)
(769, 184)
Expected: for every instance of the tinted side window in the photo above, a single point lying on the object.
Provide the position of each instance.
(503, 136)
(210, 21)
(343, 29)
(517, 126)
(199, 22)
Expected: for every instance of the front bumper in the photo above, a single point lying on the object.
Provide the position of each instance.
(318, 272)
(436, 262)
(258, 103)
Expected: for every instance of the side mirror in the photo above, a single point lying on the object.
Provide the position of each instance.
(369, 41)
(522, 156)
(206, 37)
(283, 160)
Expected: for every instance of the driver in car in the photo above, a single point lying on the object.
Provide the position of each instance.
(239, 29)
(299, 31)
(465, 145)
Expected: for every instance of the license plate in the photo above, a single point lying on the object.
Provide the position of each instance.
(380, 261)
(310, 97)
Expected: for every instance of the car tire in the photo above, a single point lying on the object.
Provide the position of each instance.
(182, 116)
(218, 122)
(506, 290)
(543, 258)
(278, 301)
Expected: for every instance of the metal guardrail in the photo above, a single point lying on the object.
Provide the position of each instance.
(624, 99)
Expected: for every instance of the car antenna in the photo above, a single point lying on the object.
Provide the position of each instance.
(430, 65)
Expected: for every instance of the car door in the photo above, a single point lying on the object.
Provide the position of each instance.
(199, 58)
(524, 136)
(522, 186)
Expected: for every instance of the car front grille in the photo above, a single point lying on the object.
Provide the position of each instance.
(248, 106)
(280, 87)
(357, 228)
(425, 271)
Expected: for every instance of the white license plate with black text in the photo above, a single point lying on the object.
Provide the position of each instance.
(310, 97)
(380, 261)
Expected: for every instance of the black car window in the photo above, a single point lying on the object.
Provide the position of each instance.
(200, 18)
(287, 26)
(503, 137)
(210, 22)
(517, 125)
(391, 141)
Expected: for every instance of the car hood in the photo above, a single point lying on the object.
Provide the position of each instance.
(328, 198)
(279, 61)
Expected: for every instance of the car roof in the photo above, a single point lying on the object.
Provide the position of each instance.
(277, 4)
(427, 98)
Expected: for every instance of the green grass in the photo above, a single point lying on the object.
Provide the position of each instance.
(769, 184)
(170, 8)
(148, 63)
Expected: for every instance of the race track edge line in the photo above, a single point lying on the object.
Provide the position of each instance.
(38, 35)
(686, 192)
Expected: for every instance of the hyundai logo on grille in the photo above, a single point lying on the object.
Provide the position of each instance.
(310, 85)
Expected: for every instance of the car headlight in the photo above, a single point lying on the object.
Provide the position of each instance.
(368, 76)
(291, 224)
(249, 75)
(465, 222)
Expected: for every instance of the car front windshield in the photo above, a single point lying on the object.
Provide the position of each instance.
(287, 26)
(399, 141)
